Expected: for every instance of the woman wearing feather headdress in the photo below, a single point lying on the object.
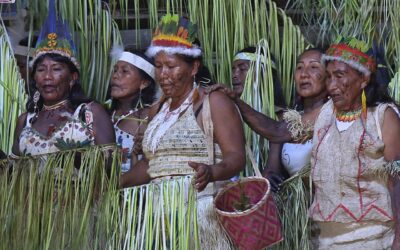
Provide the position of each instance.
(355, 163)
(59, 115)
(178, 140)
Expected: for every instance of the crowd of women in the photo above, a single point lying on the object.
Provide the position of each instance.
(345, 126)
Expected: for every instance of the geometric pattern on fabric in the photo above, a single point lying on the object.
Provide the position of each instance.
(256, 227)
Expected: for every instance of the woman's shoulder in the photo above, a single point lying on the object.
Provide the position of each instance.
(22, 119)
(217, 98)
(153, 109)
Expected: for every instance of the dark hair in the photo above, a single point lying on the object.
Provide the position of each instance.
(203, 76)
(147, 94)
(250, 49)
(377, 93)
(25, 41)
(278, 92)
(76, 95)
(316, 49)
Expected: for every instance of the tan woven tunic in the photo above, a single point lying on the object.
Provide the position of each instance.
(349, 179)
(183, 142)
(345, 172)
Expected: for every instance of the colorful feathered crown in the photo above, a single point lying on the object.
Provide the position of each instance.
(174, 35)
(353, 52)
(55, 38)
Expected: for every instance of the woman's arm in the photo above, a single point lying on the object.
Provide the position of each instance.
(137, 175)
(228, 133)
(263, 125)
(273, 170)
(391, 138)
(18, 129)
(274, 131)
(103, 129)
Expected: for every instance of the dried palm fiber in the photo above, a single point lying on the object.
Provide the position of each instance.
(293, 201)
(50, 209)
(259, 94)
(299, 131)
(12, 97)
(160, 215)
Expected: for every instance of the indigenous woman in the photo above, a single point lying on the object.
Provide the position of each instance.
(311, 92)
(291, 158)
(59, 115)
(356, 153)
(132, 91)
(175, 142)
(240, 67)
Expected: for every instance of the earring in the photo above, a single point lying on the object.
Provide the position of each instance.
(195, 85)
(36, 98)
(196, 93)
(140, 103)
(364, 104)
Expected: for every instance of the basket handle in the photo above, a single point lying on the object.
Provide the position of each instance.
(252, 160)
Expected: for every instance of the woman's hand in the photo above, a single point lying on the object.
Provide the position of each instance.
(223, 88)
(203, 175)
(275, 180)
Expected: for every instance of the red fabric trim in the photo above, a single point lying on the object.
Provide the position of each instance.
(342, 46)
(317, 209)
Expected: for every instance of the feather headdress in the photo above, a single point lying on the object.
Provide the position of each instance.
(353, 52)
(55, 38)
(174, 35)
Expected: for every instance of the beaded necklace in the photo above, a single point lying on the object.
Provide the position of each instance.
(55, 106)
(122, 117)
(348, 116)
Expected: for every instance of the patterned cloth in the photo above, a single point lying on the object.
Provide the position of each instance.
(125, 140)
(74, 133)
(345, 167)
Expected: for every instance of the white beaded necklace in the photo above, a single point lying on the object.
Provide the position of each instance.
(164, 120)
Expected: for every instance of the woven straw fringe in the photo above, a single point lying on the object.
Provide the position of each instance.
(293, 202)
(392, 168)
(389, 169)
(298, 130)
(212, 235)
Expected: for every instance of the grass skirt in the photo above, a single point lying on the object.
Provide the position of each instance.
(293, 201)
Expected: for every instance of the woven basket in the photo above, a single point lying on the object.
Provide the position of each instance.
(255, 228)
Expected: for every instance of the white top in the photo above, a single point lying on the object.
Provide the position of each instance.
(295, 156)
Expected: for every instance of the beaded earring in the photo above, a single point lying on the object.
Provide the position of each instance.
(36, 98)
(364, 104)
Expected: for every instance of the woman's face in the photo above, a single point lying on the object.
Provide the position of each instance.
(344, 85)
(174, 75)
(126, 81)
(310, 75)
(53, 80)
(239, 73)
